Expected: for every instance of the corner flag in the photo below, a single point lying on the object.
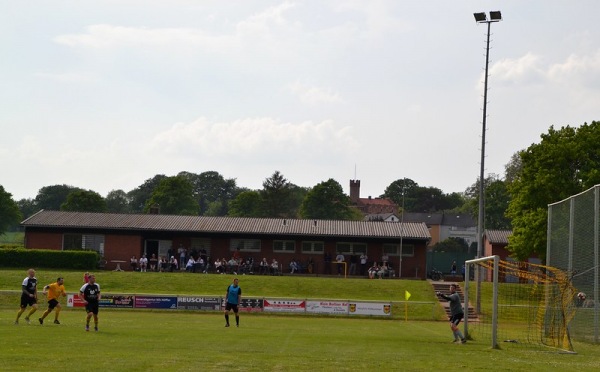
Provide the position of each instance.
(406, 295)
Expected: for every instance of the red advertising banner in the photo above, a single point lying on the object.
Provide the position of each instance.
(286, 306)
(74, 301)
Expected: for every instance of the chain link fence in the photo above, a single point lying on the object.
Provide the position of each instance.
(573, 246)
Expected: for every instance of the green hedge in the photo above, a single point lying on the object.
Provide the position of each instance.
(49, 259)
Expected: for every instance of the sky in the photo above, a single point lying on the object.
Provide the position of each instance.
(104, 95)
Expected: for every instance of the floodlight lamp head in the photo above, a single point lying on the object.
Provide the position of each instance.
(495, 15)
(480, 17)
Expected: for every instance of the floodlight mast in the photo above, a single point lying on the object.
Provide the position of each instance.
(495, 16)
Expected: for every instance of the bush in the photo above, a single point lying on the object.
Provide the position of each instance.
(49, 259)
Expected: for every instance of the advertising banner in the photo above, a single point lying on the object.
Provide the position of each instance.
(251, 305)
(123, 302)
(74, 301)
(327, 307)
(370, 308)
(120, 301)
(198, 303)
(155, 302)
(287, 306)
(248, 305)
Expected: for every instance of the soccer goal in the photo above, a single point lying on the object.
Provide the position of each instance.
(521, 304)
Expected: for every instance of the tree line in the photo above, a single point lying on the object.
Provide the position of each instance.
(565, 162)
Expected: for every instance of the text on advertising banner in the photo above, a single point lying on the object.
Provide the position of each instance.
(286, 306)
(199, 303)
(327, 307)
(248, 305)
(370, 308)
(74, 301)
(125, 302)
(155, 302)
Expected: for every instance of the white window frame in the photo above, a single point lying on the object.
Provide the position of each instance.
(289, 246)
(392, 249)
(316, 247)
(89, 242)
(244, 245)
(353, 248)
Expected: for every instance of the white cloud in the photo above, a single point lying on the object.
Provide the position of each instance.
(261, 23)
(256, 137)
(313, 94)
(69, 77)
(110, 36)
(255, 27)
(526, 69)
(530, 68)
(378, 17)
(583, 69)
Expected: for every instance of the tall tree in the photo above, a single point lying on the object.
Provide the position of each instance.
(276, 196)
(27, 207)
(84, 201)
(327, 201)
(402, 192)
(117, 201)
(513, 167)
(421, 199)
(141, 194)
(174, 195)
(296, 197)
(9, 211)
(211, 191)
(246, 204)
(496, 202)
(52, 197)
(565, 162)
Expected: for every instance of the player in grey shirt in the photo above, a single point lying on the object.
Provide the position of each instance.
(456, 312)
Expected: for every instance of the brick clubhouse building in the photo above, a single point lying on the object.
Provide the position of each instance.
(118, 237)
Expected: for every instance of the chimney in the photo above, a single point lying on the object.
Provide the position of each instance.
(354, 191)
(154, 209)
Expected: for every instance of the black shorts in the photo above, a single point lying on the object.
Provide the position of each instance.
(230, 306)
(27, 301)
(92, 307)
(455, 319)
(52, 303)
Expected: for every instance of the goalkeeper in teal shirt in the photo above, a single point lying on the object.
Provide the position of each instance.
(233, 298)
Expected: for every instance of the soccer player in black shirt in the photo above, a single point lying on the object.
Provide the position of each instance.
(28, 295)
(90, 295)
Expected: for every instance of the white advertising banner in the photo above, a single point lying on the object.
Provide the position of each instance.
(327, 307)
(287, 306)
(370, 308)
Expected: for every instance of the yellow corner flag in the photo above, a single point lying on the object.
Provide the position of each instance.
(406, 295)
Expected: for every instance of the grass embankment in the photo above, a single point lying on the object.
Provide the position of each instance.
(421, 306)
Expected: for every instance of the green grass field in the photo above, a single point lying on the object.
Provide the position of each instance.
(12, 238)
(146, 340)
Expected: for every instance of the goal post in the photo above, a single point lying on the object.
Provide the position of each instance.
(496, 261)
(524, 304)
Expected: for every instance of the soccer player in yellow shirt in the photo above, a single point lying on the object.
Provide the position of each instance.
(53, 291)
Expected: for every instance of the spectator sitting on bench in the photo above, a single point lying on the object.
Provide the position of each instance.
(219, 269)
(274, 267)
(232, 266)
(383, 270)
(293, 266)
(189, 266)
(133, 262)
(373, 270)
(264, 266)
